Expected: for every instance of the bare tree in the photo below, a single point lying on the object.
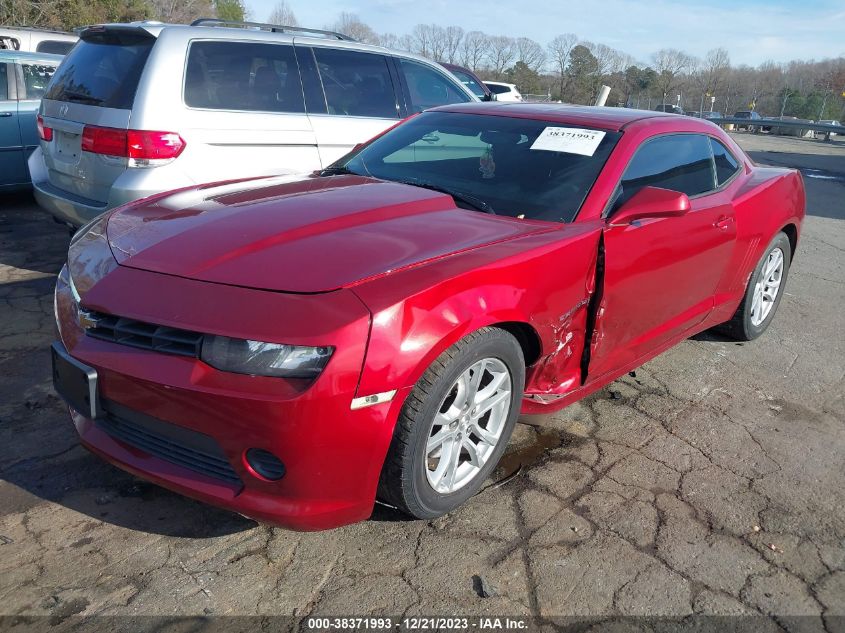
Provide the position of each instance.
(350, 24)
(501, 51)
(669, 63)
(709, 74)
(283, 14)
(453, 38)
(559, 49)
(181, 11)
(422, 40)
(474, 50)
(389, 40)
(530, 53)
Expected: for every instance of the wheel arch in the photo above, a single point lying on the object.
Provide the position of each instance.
(791, 231)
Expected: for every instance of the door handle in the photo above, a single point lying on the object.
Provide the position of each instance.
(5, 114)
(724, 222)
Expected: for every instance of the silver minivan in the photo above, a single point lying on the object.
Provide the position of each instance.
(140, 108)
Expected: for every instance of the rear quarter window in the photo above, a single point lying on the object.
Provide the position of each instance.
(102, 70)
(54, 47)
(726, 164)
(243, 76)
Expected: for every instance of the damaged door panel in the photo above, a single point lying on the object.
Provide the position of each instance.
(658, 279)
(562, 370)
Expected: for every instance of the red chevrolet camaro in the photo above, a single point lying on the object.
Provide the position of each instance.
(295, 348)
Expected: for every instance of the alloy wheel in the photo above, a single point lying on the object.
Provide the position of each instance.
(767, 287)
(468, 425)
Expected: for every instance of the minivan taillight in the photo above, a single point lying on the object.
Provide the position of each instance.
(44, 133)
(142, 147)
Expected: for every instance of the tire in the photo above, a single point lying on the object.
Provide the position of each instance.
(413, 469)
(746, 324)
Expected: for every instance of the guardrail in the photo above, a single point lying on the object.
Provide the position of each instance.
(826, 128)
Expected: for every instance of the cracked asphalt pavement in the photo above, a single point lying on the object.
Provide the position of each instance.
(709, 481)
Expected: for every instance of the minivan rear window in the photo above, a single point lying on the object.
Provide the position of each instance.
(102, 70)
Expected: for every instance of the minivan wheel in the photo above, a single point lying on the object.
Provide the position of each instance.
(763, 293)
(455, 425)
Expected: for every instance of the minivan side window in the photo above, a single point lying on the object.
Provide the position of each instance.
(726, 164)
(428, 88)
(246, 76)
(356, 83)
(680, 162)
(35, 79)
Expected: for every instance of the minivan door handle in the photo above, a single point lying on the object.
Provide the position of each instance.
(5, 114)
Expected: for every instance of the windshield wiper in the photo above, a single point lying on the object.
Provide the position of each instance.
(81, 96)
(459, 196)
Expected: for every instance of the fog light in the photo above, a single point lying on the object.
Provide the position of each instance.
(265, 464)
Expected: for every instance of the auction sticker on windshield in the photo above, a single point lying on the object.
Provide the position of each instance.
(569, 140)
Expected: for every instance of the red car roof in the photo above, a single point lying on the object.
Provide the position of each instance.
(598, 117)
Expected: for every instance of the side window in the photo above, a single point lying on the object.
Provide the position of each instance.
(4, 82)
(243, 76)
(726, 164)
(497, 89)
(35, 79)
(428, 88)
(680, 162)
(54, 47)
(356, 84)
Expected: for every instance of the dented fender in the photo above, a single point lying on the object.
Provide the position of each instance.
(542, 281)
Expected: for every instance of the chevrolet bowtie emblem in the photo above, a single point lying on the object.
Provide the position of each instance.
(87, 320)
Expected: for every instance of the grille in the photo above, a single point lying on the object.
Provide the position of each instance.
(172, 443)
(144, 335)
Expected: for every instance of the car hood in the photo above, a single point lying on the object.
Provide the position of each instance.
(303, 235)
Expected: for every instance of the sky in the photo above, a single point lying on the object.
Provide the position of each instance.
(753, 31)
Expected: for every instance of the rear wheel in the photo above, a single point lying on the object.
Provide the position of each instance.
(764, 291)
(455, 425)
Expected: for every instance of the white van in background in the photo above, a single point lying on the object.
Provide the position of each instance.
(24, 38)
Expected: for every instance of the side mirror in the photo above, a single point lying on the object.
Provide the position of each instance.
(651, 202)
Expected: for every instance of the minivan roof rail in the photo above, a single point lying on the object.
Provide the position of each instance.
(275, 28)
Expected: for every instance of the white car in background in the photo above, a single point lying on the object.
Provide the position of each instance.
(25, 38)
(503, 91)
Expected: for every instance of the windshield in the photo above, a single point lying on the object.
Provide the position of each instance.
(517, 167)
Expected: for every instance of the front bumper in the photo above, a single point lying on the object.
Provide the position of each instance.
(332, 453)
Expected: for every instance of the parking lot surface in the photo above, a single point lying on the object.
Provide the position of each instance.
(709, 481)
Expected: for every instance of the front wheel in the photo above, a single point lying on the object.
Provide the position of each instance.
(455, 425)
(764, 291)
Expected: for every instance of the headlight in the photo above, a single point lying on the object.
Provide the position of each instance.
(264, 359)
(89, 257)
